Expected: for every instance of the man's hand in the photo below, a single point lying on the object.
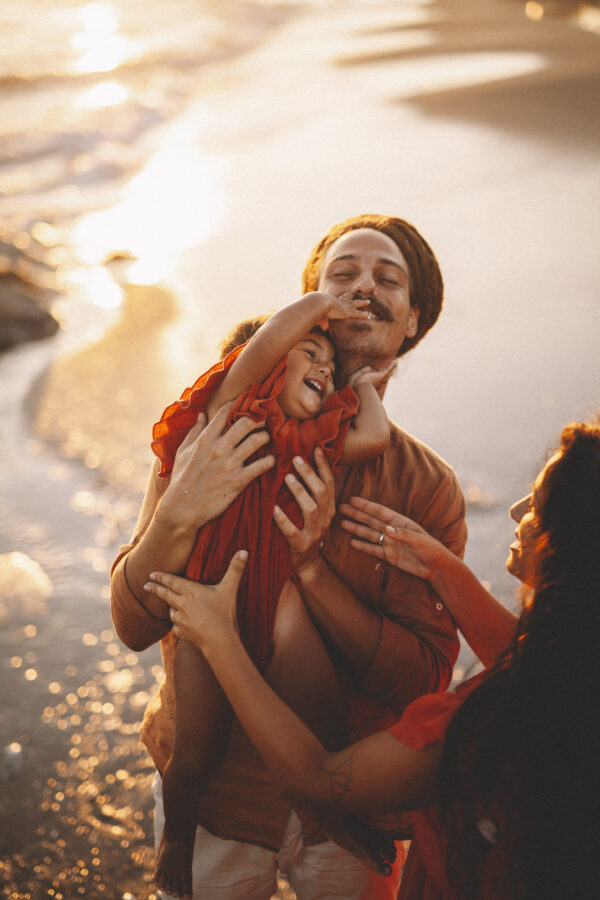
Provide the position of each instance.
(210, 469)
(315, 496)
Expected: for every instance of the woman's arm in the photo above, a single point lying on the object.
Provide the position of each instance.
(209, 472)
(487, 625)
(378, 774)
(277, 336)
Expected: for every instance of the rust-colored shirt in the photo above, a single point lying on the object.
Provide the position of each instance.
(416, 652)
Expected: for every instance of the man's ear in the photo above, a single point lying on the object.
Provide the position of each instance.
(412, 324)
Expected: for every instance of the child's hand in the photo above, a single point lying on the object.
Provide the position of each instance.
(368, 375)
(344, 307)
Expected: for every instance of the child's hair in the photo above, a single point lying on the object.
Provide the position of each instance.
(316, 329)
(242, 332)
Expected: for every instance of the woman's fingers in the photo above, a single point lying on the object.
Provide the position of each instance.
(366, 532)
(199, 611)
(371, 547)
(166, 586)
(376, 515)
(361, 523)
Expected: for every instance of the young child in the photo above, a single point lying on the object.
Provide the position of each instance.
(283, 378)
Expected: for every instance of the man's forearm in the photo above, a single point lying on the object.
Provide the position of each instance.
(139, 618)
(346, 624)
(165, 547)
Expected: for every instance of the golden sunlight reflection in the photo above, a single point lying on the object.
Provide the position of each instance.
(109, 93)
(175, 203)
(534, 11)
(100, 47)
(102, 289)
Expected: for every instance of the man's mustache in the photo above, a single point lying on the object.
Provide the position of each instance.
(379, 309)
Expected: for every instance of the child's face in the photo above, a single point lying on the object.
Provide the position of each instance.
(309, 378)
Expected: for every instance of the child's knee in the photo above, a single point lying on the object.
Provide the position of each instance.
(292, 621)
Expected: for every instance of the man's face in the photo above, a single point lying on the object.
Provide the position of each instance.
(370, 265)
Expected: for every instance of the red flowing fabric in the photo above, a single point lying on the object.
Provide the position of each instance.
(425, 722)
(248, 523)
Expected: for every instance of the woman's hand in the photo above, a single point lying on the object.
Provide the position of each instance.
(210, 469)
(315, 496)
(382, 532)
(203, 614)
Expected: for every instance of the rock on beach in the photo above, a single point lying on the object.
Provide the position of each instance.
(22, 318)
(25, 297)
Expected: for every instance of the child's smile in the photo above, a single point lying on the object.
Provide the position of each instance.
(315, 384)
(309, 378)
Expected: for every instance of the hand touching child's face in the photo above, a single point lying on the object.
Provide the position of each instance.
(309, 379)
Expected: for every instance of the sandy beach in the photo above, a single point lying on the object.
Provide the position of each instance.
(472, 120)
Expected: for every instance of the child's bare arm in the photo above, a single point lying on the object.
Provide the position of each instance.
(275, 339)
(369, 433)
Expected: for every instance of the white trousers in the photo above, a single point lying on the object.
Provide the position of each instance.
(230, 870)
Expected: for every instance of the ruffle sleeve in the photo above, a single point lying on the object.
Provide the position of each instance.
(180, 416)
(289, 436)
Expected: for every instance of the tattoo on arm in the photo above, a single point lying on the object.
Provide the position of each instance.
(340, 778)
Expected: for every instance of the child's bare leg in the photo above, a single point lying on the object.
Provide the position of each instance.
(302, 673)
(203, 724)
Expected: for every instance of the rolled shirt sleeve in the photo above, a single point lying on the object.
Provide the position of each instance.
(418, 643)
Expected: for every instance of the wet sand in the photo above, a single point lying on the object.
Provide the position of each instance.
(416, 110)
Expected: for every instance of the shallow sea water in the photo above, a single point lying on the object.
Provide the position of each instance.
(86, 91)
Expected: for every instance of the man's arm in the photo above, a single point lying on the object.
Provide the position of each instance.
(208, 473)
(487, 625)
(407, 645)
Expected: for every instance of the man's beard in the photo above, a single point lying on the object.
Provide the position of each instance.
(355, 347)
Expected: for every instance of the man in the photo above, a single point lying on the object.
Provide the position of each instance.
(389, 635)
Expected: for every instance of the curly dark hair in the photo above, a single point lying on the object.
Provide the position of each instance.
(523, 749)
(426, 286)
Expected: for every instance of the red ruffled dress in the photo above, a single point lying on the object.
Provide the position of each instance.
(425, 722)
(248, 522)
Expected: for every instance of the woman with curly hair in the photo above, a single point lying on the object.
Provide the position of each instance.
(500, 774)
